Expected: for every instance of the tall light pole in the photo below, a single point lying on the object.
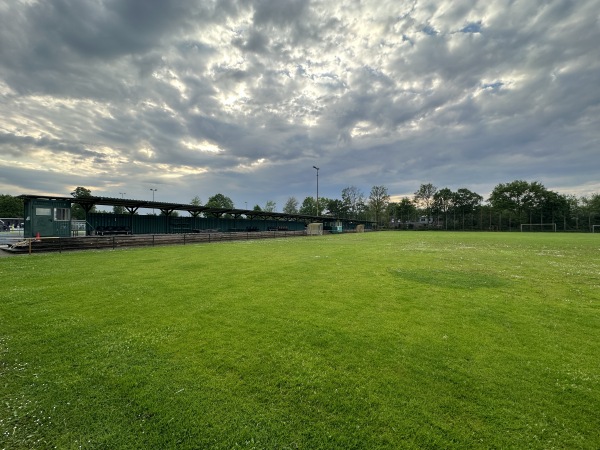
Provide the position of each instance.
(153, 191)
(122, 194)
(315, 167)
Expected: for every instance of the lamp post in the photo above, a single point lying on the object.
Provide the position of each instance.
(122, 194)
(317, 169)
(153, 191)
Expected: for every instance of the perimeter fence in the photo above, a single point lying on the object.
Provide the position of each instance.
(60, 244)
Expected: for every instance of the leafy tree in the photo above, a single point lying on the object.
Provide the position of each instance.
(77, 212)
(590, 206)
(443, 202)
(81, 192)
(519, 197)
(196, 202)
(510, 197)
(534, 200)
(118, 210)
(424, 197)
(594, 203)
(291, 206)
(257, 208)
(406, 209)
(353, 200)
(575, 207)
(392, 211)
(323, 201)
(362, 210)
(219, 201)
(552, 205)
(378, 201)
(11, 206)
(309, 207)
(270, 206)
(466, 203)
(335, 207)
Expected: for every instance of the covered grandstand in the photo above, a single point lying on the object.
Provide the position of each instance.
(47, 215)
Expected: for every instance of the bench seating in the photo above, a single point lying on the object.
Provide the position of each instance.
(103, 231)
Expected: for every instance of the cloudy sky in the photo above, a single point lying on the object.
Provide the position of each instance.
(244, 97)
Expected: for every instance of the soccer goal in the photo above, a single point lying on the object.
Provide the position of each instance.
(314, 229)
(538, 227)
(594, 227)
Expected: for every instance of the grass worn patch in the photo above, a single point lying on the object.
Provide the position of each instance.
(376, 340)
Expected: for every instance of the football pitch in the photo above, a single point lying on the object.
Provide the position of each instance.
(381, 340)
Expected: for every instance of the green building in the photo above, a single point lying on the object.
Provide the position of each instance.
(46, 217)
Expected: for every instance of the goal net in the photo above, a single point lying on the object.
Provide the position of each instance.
(314, 229)
(595, 227)
(538, 227)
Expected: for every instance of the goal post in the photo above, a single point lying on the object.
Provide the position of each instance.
(314, 229)
(541, 226)
(595, 227)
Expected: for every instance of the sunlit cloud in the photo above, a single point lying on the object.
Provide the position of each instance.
(243, 98)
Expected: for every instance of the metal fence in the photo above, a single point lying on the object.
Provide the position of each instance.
(60, 244)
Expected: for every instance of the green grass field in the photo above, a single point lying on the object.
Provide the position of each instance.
(368, 341)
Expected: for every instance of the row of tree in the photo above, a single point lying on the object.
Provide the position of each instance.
(509, 206)
(11, 206)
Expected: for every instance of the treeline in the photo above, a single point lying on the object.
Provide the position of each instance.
(11, 206)
(509, 206)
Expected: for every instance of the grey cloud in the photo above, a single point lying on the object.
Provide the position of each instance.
(110, 28)
(457, 93)
(28, 142)
(280, 12)
(256, 42)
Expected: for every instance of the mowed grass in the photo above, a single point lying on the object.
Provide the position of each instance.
(366, 341)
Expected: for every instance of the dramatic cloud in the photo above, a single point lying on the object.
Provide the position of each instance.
(244, 97)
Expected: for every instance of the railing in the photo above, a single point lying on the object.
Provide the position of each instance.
(60, 244)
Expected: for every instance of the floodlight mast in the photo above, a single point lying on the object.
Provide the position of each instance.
(315, 167)
(153, 191)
